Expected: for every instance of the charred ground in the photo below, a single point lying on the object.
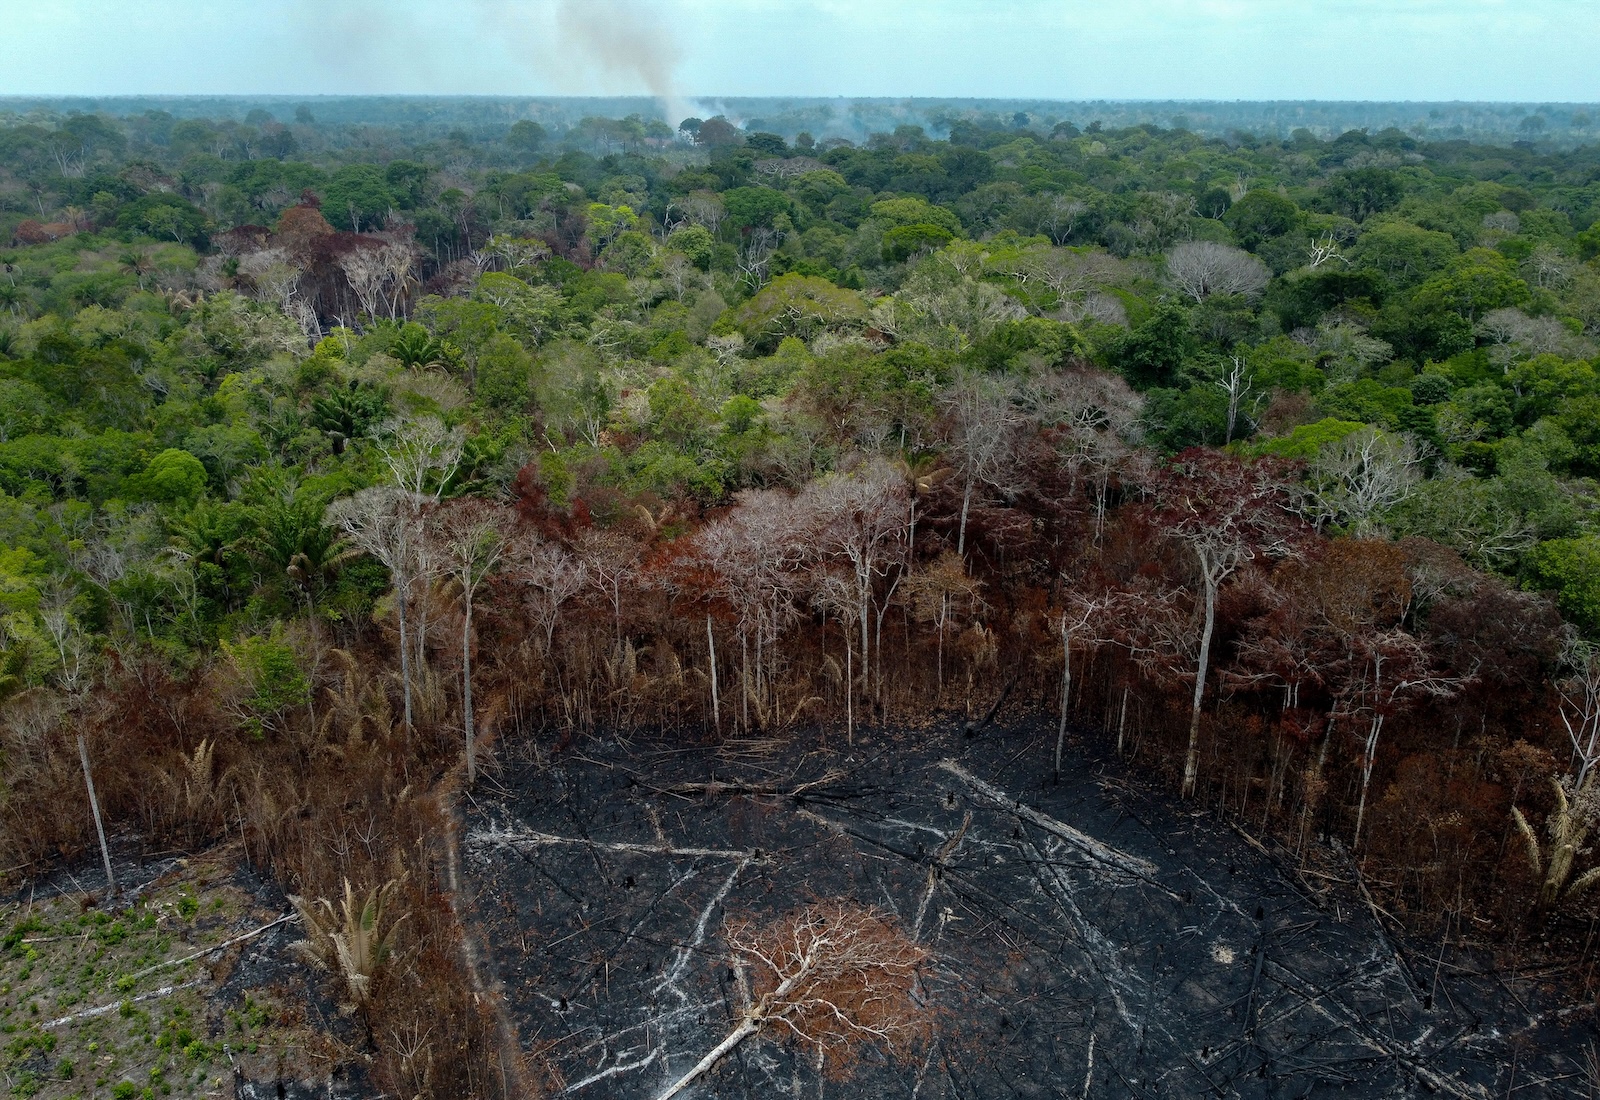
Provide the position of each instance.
(1089, 937)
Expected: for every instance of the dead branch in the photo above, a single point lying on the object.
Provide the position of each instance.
(833, 975)
(1085, 843)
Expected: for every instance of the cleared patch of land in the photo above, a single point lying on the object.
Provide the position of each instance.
(1088, 937)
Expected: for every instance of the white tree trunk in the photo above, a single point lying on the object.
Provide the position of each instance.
(1191, 760)
(94, 808)
(716, 704)
(1066, 691)
(747, 1027)
(466, 693)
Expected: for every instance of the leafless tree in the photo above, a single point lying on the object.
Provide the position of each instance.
(1580, 707)
(756, 249)
(1078, 622)
(981, 422)
(703, 208)
(381, 275)
(385, 522)
(421, 453)
(1203, 268)
(275, 273)
(1237, 386)
(862, 517)
(1226, 513)
(61, 626)
(753, 557)
(1060, 216)
(610, 559)
(1324, 249)
(472, 536)
(552, 577)
(1095, 420)
(1396, 665)
(833, 976)
(1357, 479)
(517, 252)
(1514, 337)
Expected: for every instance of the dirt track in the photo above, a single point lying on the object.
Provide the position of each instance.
(1090, 940)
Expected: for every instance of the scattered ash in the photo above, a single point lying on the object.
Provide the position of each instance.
(1091, 939)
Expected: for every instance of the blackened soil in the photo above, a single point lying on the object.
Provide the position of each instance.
(1090, 938)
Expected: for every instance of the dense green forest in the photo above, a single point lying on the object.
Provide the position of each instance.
(328, 454)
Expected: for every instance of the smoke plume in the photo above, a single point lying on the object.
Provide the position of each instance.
(596, 46)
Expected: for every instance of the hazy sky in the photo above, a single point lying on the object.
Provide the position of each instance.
(1530, 50)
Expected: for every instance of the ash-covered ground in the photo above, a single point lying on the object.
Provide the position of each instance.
(1090, 938)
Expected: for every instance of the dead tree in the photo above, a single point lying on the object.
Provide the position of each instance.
(751, 561)
(861, 517)
(834, 976)
(1077, 622)
(981, 420)
(1203, 268)
(552, 577)
(1226, 513)
(1358, 480)
(55, 612)
(472, 536)
(422, 454)
(385, 523)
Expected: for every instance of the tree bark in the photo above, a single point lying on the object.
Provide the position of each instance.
(1191, 760)
(99, 823)
(1066, 691)
(466, 692)
(716, 704)
(405, 654)
(746, 1028)
(961, 531)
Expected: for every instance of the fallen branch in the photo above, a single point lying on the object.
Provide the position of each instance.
(154, 994)
(936, 867)
(250, 935)
(1085, 843)
(513, 838)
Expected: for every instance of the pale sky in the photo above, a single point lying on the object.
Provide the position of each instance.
(1522, 50)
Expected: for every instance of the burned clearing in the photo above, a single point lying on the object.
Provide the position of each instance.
(1086, 937)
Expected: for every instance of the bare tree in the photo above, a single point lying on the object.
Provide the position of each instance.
(385, 522)
(1225, 512)
(1358, 479)
(756, 249)
(863, 515)
(833, 976)
(421, 453)
(981, 421)
(1094, 417)
(61, 625)
(380, 274)
(1077, 622)
(552, 577)
(1237, 386)
(1324, 249)
(1394, 665)
(753, 557)
(609, 560)
(1514, 337)
(703, 208)
(1203, 268)
(472, 536)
